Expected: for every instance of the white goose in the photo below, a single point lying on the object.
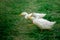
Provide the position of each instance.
(25, 14)
(38, 15)
(42, 23)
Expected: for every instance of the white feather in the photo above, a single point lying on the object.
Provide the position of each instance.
(38, 15)
(42, 23)
(26, 15)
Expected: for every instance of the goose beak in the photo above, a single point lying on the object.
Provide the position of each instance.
(20, 14)
(30, 16)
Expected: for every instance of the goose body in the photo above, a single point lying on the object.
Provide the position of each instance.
(42, 23)
(36, 15)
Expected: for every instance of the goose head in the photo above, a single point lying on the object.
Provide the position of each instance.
(23, 14)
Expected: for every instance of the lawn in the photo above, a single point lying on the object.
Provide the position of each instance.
(15, 27)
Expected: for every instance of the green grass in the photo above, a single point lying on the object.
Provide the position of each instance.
(14, 27)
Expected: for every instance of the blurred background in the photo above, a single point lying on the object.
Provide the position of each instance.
(14, 27)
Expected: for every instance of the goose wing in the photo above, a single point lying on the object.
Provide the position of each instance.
(39, 15)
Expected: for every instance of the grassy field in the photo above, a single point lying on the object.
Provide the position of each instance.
(14, 27)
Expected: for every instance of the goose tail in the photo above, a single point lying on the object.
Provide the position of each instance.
(53, 22)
